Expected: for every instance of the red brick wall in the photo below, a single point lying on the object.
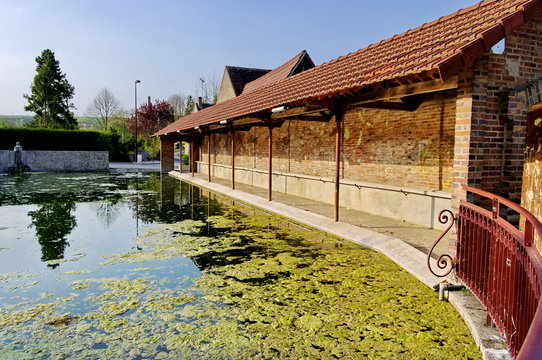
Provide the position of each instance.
(402, 148)
(381, 146)
(492, 114)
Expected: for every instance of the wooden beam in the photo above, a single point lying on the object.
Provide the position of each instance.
(310, 118)
(338, 123)
(232, 131)
(209, 157)
(270, 184)
(192, 155)
(301, 110)
(383, 94)
(390, 106)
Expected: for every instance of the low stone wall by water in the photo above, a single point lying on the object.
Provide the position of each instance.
(413, 205)
(57, 161)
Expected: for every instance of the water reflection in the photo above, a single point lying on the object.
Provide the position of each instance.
(151, 198)
(53, 223)
(107, 212)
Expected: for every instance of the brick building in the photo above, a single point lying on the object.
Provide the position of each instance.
(395, 128)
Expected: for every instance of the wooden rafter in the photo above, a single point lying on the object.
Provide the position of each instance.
(400, 106)
(383, 94)
(301, 110)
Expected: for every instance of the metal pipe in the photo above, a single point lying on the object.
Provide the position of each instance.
(447, 287)
(135, 101)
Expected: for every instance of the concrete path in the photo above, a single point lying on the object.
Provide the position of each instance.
(134, 167)
(405, 244)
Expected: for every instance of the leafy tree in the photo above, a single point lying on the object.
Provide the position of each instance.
(118, 124)
(151, 118)
(104, 106)
(51, 94)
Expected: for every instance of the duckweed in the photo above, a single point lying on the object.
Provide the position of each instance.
(267, 289)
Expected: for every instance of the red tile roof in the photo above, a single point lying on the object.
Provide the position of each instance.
(445, 45)
(282, 72)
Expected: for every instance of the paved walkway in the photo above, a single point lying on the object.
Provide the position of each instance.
(134, 167)
(417, 236)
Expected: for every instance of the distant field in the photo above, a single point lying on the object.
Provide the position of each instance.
(85, 122)
(15, 120)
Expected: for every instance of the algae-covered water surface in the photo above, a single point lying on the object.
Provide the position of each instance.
(125, 266)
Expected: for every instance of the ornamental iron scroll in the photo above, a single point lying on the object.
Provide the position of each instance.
(444, 261)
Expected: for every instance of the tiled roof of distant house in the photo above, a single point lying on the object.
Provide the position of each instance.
(298, 63)
(241, 76)
(437, 49)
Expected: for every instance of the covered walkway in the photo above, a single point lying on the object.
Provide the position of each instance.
(421, 238)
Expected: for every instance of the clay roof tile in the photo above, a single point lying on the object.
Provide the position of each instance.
(445, 46)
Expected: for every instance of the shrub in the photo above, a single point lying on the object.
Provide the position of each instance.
(63, 140)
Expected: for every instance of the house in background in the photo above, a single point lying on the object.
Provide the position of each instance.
(234, 80)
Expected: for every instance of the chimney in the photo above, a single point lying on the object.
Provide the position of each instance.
(149, 100)
(200, 102)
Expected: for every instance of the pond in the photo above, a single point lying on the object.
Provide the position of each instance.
(139, 266)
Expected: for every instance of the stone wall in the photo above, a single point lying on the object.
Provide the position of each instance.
(57, 161)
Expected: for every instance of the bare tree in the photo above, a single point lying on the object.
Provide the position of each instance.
(208, 88)
(178, 101)
(103, 107)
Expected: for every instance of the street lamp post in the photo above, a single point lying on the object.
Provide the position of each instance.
(135, 92)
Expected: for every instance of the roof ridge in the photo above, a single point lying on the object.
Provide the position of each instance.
(245, 68)
(262, 78)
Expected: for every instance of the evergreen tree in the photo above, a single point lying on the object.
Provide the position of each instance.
(51, 94)
(190, 103)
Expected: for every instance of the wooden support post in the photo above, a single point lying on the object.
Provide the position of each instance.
(192, 156)
(209, 157)
(338, 122)
(232, 131)
(270, 191)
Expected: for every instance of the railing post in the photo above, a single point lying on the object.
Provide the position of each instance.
(529, 233)
(495, 208)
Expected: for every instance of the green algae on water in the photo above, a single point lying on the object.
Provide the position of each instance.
(267, 290)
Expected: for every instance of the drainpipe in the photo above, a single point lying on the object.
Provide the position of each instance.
(444, 286)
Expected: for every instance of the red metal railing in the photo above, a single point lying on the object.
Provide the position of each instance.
(500, 266)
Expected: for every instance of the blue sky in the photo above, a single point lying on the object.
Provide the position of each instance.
(169, 44)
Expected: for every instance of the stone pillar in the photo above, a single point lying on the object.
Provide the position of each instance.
(166, 153)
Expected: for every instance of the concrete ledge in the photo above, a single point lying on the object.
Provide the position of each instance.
(412, 260)
(57, 161)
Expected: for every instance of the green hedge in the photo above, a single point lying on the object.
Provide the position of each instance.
(47, 139)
